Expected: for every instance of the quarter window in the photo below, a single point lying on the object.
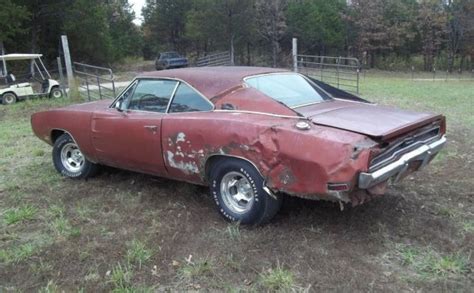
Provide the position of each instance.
(152, 95)
(188, 100)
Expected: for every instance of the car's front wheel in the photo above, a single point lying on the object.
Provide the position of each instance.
(238, 191)
(9, 98)
(69, 160)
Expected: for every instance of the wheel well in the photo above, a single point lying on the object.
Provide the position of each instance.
(214, 159)
(53, 87)
(55, 134)
(13, 93)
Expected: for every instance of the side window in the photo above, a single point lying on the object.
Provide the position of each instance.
(152, 95)
(188, 100)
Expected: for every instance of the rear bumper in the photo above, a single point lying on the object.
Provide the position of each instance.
(398, 168)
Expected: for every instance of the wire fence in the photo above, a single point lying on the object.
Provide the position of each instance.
(441, 75)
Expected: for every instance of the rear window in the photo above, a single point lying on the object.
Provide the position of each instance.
(291, 89)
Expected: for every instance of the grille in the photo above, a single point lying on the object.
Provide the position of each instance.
(404, 145)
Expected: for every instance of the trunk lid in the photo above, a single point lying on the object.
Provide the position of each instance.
(378, 122)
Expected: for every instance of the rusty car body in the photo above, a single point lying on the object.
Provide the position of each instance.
(210, 123)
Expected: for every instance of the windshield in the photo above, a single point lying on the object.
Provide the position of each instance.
(291, 89)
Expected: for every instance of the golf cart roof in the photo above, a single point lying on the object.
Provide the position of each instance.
(9, 57)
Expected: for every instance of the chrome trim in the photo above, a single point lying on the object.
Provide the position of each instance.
(172, 97)
(397, 168)
(268, 190)
(381, 163)
(261, 113)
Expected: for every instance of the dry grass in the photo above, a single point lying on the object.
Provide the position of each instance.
(127, 232)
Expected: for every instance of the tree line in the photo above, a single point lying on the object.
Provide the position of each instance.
(388, 34)
(99, 32)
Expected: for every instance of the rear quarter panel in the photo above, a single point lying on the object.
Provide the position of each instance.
(298, 162)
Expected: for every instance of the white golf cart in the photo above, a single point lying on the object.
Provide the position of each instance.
(38, 82)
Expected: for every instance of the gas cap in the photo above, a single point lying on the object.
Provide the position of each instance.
(303, 125)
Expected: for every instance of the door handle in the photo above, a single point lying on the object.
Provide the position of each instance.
(151, 128)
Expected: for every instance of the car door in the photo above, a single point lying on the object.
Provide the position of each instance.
(128, 135)
(184, 133)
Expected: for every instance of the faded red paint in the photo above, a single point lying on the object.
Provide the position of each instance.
(338, 146)
(370, 119)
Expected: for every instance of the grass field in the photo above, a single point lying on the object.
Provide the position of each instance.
(126, 232)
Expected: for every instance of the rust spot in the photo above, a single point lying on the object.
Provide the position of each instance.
(286, 177)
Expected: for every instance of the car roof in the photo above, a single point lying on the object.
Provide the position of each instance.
(211, 81)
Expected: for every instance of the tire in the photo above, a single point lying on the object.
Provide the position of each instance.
(9, 98)
(55, 93)
(237, 189)
(69, 161)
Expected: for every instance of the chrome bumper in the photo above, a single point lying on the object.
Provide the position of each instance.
(399, 167)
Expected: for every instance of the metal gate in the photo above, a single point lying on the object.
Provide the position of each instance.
(215, 59)
(341, 72)
(95, 82)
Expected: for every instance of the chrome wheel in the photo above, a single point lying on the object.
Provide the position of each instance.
(72, 158)
(237, 192)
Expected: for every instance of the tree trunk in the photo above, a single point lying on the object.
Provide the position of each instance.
(372, 59)
(232, 50)
(275, 51)
(248, 54)
(450, 61)
(461, 63)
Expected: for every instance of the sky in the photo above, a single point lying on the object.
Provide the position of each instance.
(137, 7)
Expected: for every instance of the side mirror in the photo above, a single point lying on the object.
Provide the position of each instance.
(118, 105)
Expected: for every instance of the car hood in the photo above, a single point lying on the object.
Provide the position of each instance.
(376, 121)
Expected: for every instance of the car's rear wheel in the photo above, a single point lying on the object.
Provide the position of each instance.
(56, 93)
(69, 160)
(9, 98)
(238, 191)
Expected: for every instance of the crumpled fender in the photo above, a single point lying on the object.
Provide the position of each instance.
(294, 161)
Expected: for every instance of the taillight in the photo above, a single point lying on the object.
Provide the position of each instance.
(442, 126)
(374, 152)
